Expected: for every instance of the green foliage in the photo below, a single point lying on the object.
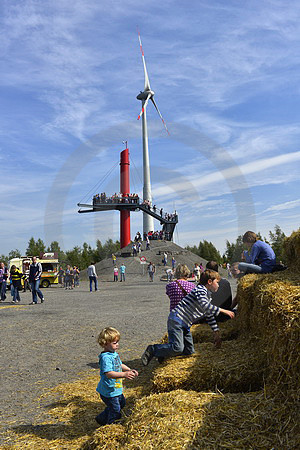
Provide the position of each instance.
(276, 242)
(206, 250)
(234, 250)
(35, 247)
(4, 259)
(14, 254)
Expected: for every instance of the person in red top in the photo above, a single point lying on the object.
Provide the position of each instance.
(179, 288)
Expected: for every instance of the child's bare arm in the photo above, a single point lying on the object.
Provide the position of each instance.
(228, 313)
(126, 368)
(129, 374)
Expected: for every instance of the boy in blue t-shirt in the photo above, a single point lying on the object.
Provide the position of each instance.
(112, 372)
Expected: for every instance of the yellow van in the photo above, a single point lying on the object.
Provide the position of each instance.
(49, 264)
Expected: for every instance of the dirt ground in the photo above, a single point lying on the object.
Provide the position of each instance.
(47, 344)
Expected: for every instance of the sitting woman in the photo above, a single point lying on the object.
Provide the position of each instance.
(259, 258)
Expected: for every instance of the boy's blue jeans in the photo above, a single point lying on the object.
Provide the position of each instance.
(180, 342)
(112, 411)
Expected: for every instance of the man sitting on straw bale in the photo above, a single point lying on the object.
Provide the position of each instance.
(193, 306)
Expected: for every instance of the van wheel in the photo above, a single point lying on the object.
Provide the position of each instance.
(45, 283)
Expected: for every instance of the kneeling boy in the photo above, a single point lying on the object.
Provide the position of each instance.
(192, 307)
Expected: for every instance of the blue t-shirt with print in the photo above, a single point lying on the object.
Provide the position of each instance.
(110, 387)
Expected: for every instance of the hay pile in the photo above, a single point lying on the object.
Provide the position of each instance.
(248, 421)
(162, 421)
(271, 309)
(202, 333)
(236, 367)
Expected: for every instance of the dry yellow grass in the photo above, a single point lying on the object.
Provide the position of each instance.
(236, 367)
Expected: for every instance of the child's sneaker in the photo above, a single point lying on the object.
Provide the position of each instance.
(147, 355)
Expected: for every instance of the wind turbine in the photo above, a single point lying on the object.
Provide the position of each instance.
(146, 95)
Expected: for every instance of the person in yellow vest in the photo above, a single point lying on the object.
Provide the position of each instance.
(15, 277)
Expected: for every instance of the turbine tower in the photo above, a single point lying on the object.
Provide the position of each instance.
(146, 95)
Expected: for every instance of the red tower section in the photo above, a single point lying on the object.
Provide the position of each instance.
(125, 191)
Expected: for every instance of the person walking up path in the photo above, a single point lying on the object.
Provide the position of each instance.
(92, 276)
(122, 272)
(35, 272)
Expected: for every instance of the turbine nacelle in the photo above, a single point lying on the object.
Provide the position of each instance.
(145, 94)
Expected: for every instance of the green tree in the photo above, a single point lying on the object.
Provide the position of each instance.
(206, 250)
(14, 254)
(74, 257)
(55, 247)
(34, 248)
(276, 241)
(4, 259)
(234, 250)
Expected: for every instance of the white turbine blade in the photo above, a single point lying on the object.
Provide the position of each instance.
(147, 82)
(144, 107)
(152, 99)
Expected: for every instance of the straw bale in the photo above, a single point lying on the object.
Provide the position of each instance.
(166, 421)
(291, 246)
(202, 332)
(236, 367)
(110, 437)
(270, 306)
(248, 421)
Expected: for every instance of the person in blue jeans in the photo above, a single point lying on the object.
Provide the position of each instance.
(35, 272)
(195, 305)
(122, 272)
(92, 276)
(112, 372)
(16, 276)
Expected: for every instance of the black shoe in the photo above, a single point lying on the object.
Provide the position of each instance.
(42, 300)
(99, 421)
(160, 359)
(147, 355)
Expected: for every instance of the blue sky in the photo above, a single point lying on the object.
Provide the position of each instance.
(226, 79)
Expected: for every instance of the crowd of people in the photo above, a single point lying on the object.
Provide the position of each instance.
(133, 199)
(116, 198)
(69, 278)
(19, 281)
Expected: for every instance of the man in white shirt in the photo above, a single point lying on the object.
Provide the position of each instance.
(92, 276)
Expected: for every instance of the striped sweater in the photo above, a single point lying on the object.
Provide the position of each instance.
(196, 305)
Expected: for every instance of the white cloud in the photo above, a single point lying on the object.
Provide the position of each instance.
(284, 206)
